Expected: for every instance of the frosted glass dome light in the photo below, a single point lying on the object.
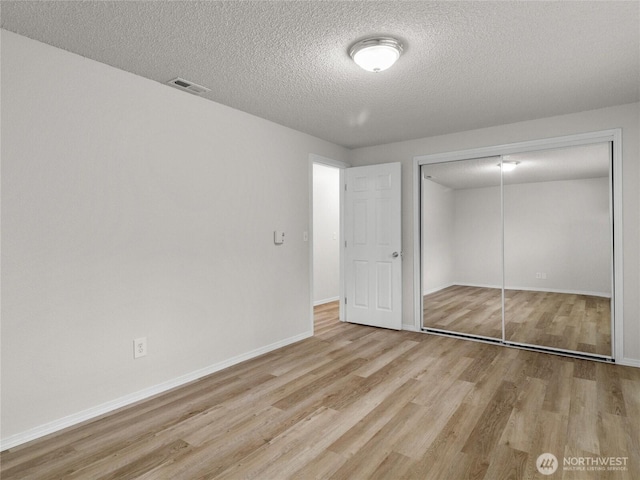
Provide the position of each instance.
(376, 54)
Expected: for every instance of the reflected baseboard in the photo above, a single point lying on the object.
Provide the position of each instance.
(525, 289)
(438, 288)
(565, 291)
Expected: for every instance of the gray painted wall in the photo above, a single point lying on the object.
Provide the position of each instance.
(132, 209)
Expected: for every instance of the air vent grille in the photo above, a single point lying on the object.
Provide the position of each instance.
(188, 86)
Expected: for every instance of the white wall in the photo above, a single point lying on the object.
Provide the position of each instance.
(477, 237)
(133, 209)
(326, 233)
(560, 229)
(626, 117)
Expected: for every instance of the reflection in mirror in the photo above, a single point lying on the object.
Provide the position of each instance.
(558, 249)
(462, 247)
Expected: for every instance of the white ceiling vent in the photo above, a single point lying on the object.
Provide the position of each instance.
(188, 86)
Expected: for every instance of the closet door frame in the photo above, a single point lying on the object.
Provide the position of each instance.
(615, 137)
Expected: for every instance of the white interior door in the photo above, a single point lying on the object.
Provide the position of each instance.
(373, 257)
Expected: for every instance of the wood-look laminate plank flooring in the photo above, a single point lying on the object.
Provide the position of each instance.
(464, 309)
(579, 323)
(355, 402)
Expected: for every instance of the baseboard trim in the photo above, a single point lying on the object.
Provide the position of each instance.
(91, 413)
(410, 328)
(437, 289)
(326, 300)
(557, 290)
(526, 289)
(629, 362)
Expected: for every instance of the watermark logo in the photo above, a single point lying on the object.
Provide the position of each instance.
(595, 464)
(547, 464)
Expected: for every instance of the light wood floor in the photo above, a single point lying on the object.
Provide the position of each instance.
(355, 402)
(571, 322)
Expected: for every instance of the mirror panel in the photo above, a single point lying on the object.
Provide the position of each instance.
(558, 249)
(462, 247)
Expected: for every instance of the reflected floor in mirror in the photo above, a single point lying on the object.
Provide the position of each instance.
(574, 322)
(463, 309)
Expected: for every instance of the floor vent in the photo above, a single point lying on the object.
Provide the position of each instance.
(188, 86)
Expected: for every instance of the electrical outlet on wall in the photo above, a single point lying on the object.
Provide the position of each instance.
(139, 347)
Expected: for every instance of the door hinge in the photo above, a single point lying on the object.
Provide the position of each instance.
(345, 300)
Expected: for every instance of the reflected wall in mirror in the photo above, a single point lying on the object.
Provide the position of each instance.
(461, 248)
(558, 249)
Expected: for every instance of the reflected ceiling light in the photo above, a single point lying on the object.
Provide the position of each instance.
(508, 166)
(376, 54)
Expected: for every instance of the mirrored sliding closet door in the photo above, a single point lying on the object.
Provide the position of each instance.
(558, 249)
(518, 248)
(462, 247)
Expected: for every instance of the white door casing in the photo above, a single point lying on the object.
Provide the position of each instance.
(373, 257)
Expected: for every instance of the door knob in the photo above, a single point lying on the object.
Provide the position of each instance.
(395, 254)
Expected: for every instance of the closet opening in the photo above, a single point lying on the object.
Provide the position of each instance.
(516, 245)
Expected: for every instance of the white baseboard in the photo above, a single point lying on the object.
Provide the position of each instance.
(410, 328)
(326, 300)
(629, 362)
(93, 412)
(437, 289)
(479, 285)
(526, 289)
(559, 290)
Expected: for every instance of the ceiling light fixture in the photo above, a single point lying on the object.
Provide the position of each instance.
(508, 166)
(376, 54)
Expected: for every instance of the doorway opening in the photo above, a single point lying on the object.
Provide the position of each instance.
(326, 234)
(359, 227)
(326, 186)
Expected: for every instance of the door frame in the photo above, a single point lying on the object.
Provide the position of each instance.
(341, 166)
(613, 135)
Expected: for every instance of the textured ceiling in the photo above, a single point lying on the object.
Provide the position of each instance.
(571, 163)
(466, 65)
